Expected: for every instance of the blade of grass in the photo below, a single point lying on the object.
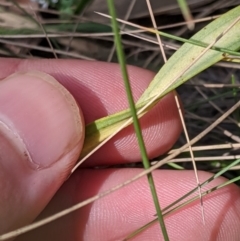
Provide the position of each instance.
(195, 58)
(192, 157)
(215, 106)
(146, 164)
(44, 49)
(45, 33)
(234, 93)
(171, 75)
(180, 113)
(167, 35)
(186, 13)
(215, 97)
(210, 147)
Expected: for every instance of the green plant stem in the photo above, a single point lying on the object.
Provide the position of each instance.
(122, 62)
(183, 5)
(171, 36)
(234, 93)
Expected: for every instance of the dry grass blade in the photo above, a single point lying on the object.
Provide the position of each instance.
(180, 112)
(44, 31)
(45, 49)
(211, 147)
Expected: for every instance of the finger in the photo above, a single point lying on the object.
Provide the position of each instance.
(115, 216)
(99, 89)
(41, 135)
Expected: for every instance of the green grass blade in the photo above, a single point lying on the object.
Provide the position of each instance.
(175, 166)
(186, 13)
(122, 62)
(167, 78)
(234, 93)
(180, 39)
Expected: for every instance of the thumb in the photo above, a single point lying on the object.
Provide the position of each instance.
(41, 136)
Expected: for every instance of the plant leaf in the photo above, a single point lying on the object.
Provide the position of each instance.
(167, 79)
(187, 53)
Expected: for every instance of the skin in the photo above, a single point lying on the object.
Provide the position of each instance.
(42, 132)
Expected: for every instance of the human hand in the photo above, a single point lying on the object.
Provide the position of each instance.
(47, 122)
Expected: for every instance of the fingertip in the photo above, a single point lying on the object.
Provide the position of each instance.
(42, 133)
(43, 114)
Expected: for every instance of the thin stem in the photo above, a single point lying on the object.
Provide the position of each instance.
(146, 164)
